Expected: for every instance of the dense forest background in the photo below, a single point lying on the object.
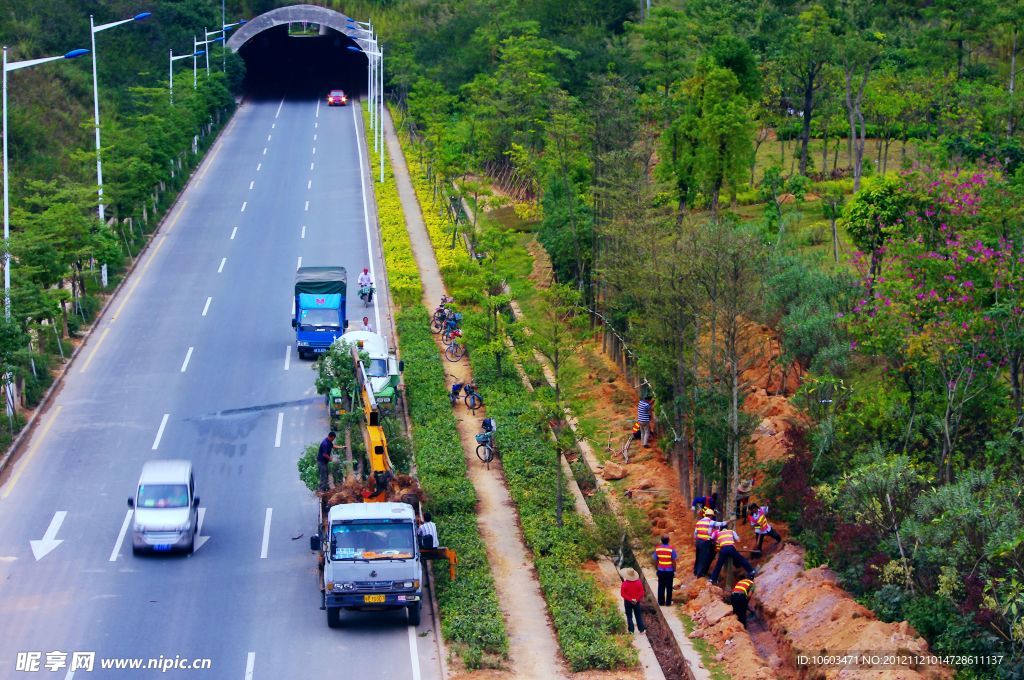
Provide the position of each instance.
(847, 173)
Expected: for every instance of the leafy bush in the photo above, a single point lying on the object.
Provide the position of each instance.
(470, 615)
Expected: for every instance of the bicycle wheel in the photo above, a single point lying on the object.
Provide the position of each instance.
(454, 351)
(446, 336)
(484, 453)
(436, 325)
(474, 401)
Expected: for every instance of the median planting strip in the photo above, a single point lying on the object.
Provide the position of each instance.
(471, 618)
(587, 623)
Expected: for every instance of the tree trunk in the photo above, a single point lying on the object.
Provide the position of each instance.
(835, 240)
(1013, 85)
(559, 501)
(805, 132)
(734, 418)
(683, 452)
(824, 153)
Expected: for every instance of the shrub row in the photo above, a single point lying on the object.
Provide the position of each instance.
(403, 276)
(470, 614)
(587, 622)
(448, 258)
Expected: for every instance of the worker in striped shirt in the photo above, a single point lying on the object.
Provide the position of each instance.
(643, 417)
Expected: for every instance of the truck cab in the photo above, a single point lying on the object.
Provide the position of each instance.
(382, 368)
(371, 559)
(319, 308)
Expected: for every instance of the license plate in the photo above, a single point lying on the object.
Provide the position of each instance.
(162, 547)
(383, 400)
(374, 599)
(319, 350)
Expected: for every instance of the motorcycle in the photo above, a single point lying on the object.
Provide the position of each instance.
(366, 295)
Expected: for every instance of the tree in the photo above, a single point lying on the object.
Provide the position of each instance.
(663, 40)
(554, 337)
(809, 50)
(861, 52)
(874, 215)
(724, 134)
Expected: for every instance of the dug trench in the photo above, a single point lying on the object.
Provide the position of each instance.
(796, 610)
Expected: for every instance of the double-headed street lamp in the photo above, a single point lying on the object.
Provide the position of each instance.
(223, 32)
(379, 103)
(170, 68)
(94, 29)
(8, 67)
(195, 48)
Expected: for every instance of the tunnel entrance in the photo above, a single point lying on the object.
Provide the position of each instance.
(299, 51)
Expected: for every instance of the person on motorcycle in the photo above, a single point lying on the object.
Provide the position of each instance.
(365, 283)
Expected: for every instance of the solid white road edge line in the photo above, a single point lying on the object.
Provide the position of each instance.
(120, 537)
(279, 108)
(160, 431)
(413, 652)
(266, 534)
(188, 357)
(287, 357)
(250, 662)
(366, 216)
(280, 426)
(299, 265)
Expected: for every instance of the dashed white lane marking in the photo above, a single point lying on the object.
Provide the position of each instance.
(312, 165)
(309, 184)
(258, 166)
(287, 357)
(316, 125)
(249, 663)
(120, 536)
(160, 431)
(314, 150)
(264, 151)
(280, 426)
(206, 307)
(244, 203)
(273, 125)
(188, 357)
(299, 265)
(314, 138)
(266, 534)
(233, 232)
(307, 206)
(268, 137)
(223, 261)
(251, 183)
(279, 108)
(317, 108)
(303, 231)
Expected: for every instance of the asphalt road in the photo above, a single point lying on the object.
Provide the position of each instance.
(195, 358)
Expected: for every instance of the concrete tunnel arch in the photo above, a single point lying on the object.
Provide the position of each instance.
(277, 63)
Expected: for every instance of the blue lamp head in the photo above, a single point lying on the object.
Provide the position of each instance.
(199, 53)
(76, 53)
(219, 38)
(243, 21)
(141, 16)
(353, 48)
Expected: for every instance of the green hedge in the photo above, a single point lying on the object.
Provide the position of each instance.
(403, 275)
(470, 615)
(587, 621)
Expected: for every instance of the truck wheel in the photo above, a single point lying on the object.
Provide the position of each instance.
(334, 617)
(414, 614)
(136, 551)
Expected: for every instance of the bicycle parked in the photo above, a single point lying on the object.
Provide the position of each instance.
(441, 315)
(455, 350)
(486, 444)
(450, 326)
(473, 398)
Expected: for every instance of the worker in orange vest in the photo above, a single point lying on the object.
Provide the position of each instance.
(726, 541)
(665, 563)
(758, 517)
(702, 532)
(740, 597)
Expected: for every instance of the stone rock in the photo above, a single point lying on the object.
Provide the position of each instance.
(613, 470)
(645, 484)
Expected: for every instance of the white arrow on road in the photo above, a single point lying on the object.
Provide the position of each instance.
(49, 541)
(200, 539)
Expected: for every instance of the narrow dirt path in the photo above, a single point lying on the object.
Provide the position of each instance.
(533, 649)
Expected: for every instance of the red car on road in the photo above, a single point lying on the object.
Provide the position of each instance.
(336, 98)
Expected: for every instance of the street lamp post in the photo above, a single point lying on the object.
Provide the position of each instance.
(8, 67)
(93, 30)
(170, 67)
(379, 103)
(223, 32)
(195, 49)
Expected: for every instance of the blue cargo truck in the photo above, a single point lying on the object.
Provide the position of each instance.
(319, 308)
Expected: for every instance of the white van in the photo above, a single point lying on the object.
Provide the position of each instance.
(166, 507)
